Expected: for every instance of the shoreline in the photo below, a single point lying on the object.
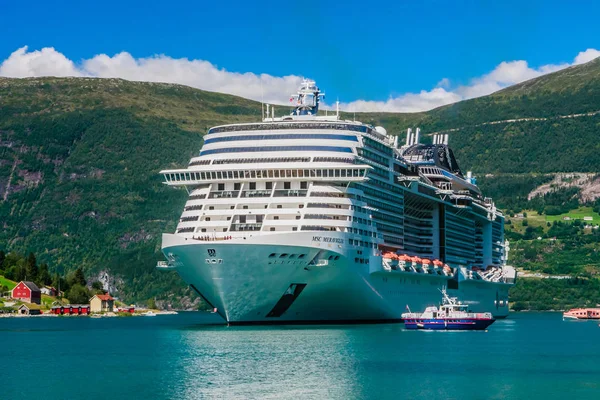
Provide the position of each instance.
(106, 315)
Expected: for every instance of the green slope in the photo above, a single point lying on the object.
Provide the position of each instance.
(82, 157)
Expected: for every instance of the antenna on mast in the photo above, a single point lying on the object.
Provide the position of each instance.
(337, 108)
(262, 104)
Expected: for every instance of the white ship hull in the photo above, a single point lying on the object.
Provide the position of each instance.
(245, 282)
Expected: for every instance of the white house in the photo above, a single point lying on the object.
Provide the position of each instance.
(49, 291)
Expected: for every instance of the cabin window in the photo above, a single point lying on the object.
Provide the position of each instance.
(252, 185)
(221, 186)
(287, 185)
(269, 185)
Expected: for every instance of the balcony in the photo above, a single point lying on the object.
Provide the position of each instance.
(223, 194)
(291, 193)
(245, 227)
(256, 193)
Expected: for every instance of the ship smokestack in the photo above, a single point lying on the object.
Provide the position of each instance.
(417, 135)
(408, 136)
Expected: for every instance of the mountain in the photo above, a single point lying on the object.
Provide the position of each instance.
(79, 159)
(547, 124)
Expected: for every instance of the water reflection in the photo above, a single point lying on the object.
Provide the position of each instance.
(242, 362)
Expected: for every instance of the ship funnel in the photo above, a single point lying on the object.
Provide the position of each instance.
(446, 138)
(395, 142)
(417, 135)
(408, 136)
(435, 139)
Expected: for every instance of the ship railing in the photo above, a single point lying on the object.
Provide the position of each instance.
(241, 227)
(223, 194)
(256, 193)
(291, 193)
(411, 315)
(208, 238)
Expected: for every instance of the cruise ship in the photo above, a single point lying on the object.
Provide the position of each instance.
(309, 218)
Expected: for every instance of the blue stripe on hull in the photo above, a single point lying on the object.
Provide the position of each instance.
(458, 325)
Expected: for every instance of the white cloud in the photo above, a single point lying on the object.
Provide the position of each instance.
(21, 64)
(586, 56)
(204, 75)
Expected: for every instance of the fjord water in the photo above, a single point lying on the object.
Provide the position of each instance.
(528, 356)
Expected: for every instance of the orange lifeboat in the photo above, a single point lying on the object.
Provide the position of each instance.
(438, 263)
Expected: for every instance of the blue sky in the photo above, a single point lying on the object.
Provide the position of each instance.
(367, 50)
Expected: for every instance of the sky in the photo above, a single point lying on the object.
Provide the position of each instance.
(395, 56)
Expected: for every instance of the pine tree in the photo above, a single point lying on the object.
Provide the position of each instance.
(44, 275)
(79, 278)
(31, 269)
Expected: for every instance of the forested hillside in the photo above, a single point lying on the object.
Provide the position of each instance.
(79, 159)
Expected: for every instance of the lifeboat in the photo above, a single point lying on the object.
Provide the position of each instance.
(438, 263)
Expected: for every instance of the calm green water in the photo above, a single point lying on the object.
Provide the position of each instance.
(529, 356)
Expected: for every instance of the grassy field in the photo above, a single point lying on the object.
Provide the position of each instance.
(536, 220)
(8, 283)
(576, 214)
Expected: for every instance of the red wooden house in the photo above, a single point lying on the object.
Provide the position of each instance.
(27, 292)
(71, 309)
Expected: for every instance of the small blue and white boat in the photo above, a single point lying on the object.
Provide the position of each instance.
(451, 315)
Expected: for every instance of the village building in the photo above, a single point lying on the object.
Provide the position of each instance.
(71, 309)
(102, 303)
(27, 292)
(48, 291)
(29, 309)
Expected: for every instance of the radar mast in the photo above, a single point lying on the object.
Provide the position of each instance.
(306, 100)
